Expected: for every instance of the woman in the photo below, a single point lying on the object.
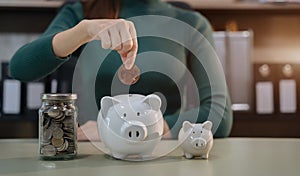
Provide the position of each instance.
(79, 23)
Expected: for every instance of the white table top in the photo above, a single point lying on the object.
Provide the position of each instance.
(231, 156)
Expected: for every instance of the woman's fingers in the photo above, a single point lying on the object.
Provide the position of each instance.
(134, 38)
(129, 49)
(129, 59)
(104, 36)
(116, 34)
(115, 37)
(88, 132)
(127, 41)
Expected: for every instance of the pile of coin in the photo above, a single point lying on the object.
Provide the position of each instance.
(57, 129)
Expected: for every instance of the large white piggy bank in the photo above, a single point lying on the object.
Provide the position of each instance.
(130, 125)
(196, 139)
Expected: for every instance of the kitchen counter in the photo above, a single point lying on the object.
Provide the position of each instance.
(230, 156)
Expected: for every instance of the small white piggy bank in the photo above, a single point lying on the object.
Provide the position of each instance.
(130, 125)
(196, 139)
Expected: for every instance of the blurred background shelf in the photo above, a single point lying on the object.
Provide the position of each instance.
(195, 4)
(31, 3)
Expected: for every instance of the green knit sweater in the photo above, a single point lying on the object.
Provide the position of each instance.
(36, 60)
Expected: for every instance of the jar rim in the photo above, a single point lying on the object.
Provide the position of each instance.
(58, 96)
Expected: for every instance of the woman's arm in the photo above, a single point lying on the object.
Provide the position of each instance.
(37, 59)
(115, 34)
(67, 33)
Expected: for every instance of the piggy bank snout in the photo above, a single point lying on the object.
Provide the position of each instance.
(134, 131)
(199, 143)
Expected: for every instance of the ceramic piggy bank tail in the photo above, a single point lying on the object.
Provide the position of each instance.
(196, 140)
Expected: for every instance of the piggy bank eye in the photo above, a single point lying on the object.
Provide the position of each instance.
(124, 114)
(138, 113)
(193, 132)
(201, 132)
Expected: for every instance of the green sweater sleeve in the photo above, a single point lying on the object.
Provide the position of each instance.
(214, 100)
(36, 60)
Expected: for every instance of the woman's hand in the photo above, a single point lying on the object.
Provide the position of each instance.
(167, 133)
(115, 34)
(88, 132)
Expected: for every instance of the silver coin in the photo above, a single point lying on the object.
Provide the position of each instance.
(70, 106)
(46, 122)
(129, 77)
(69, 136)
(68, 122)
(54, 112)
(63, 147)
(55, 124)
(57, 133)
(69, 130)
(48, 150)
(69, 112)
(64, 108)
(66, 146)
(60, 117)
(47, 134)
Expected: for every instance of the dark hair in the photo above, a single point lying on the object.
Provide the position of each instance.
(99, 9)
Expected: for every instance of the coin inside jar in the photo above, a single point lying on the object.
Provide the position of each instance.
(129, 77)
(54, 112)
(48, 150)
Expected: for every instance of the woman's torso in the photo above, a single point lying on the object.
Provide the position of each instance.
(157, 56)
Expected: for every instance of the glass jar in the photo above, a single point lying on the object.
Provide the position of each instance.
(58, 127)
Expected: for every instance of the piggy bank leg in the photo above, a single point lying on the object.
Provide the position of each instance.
(146, 155)
(205, 156)
(188, 155)
(118, 156)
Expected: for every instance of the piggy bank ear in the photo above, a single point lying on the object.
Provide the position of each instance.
(187, 126)
(106, 103)
(207, 125)
(154, 101)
